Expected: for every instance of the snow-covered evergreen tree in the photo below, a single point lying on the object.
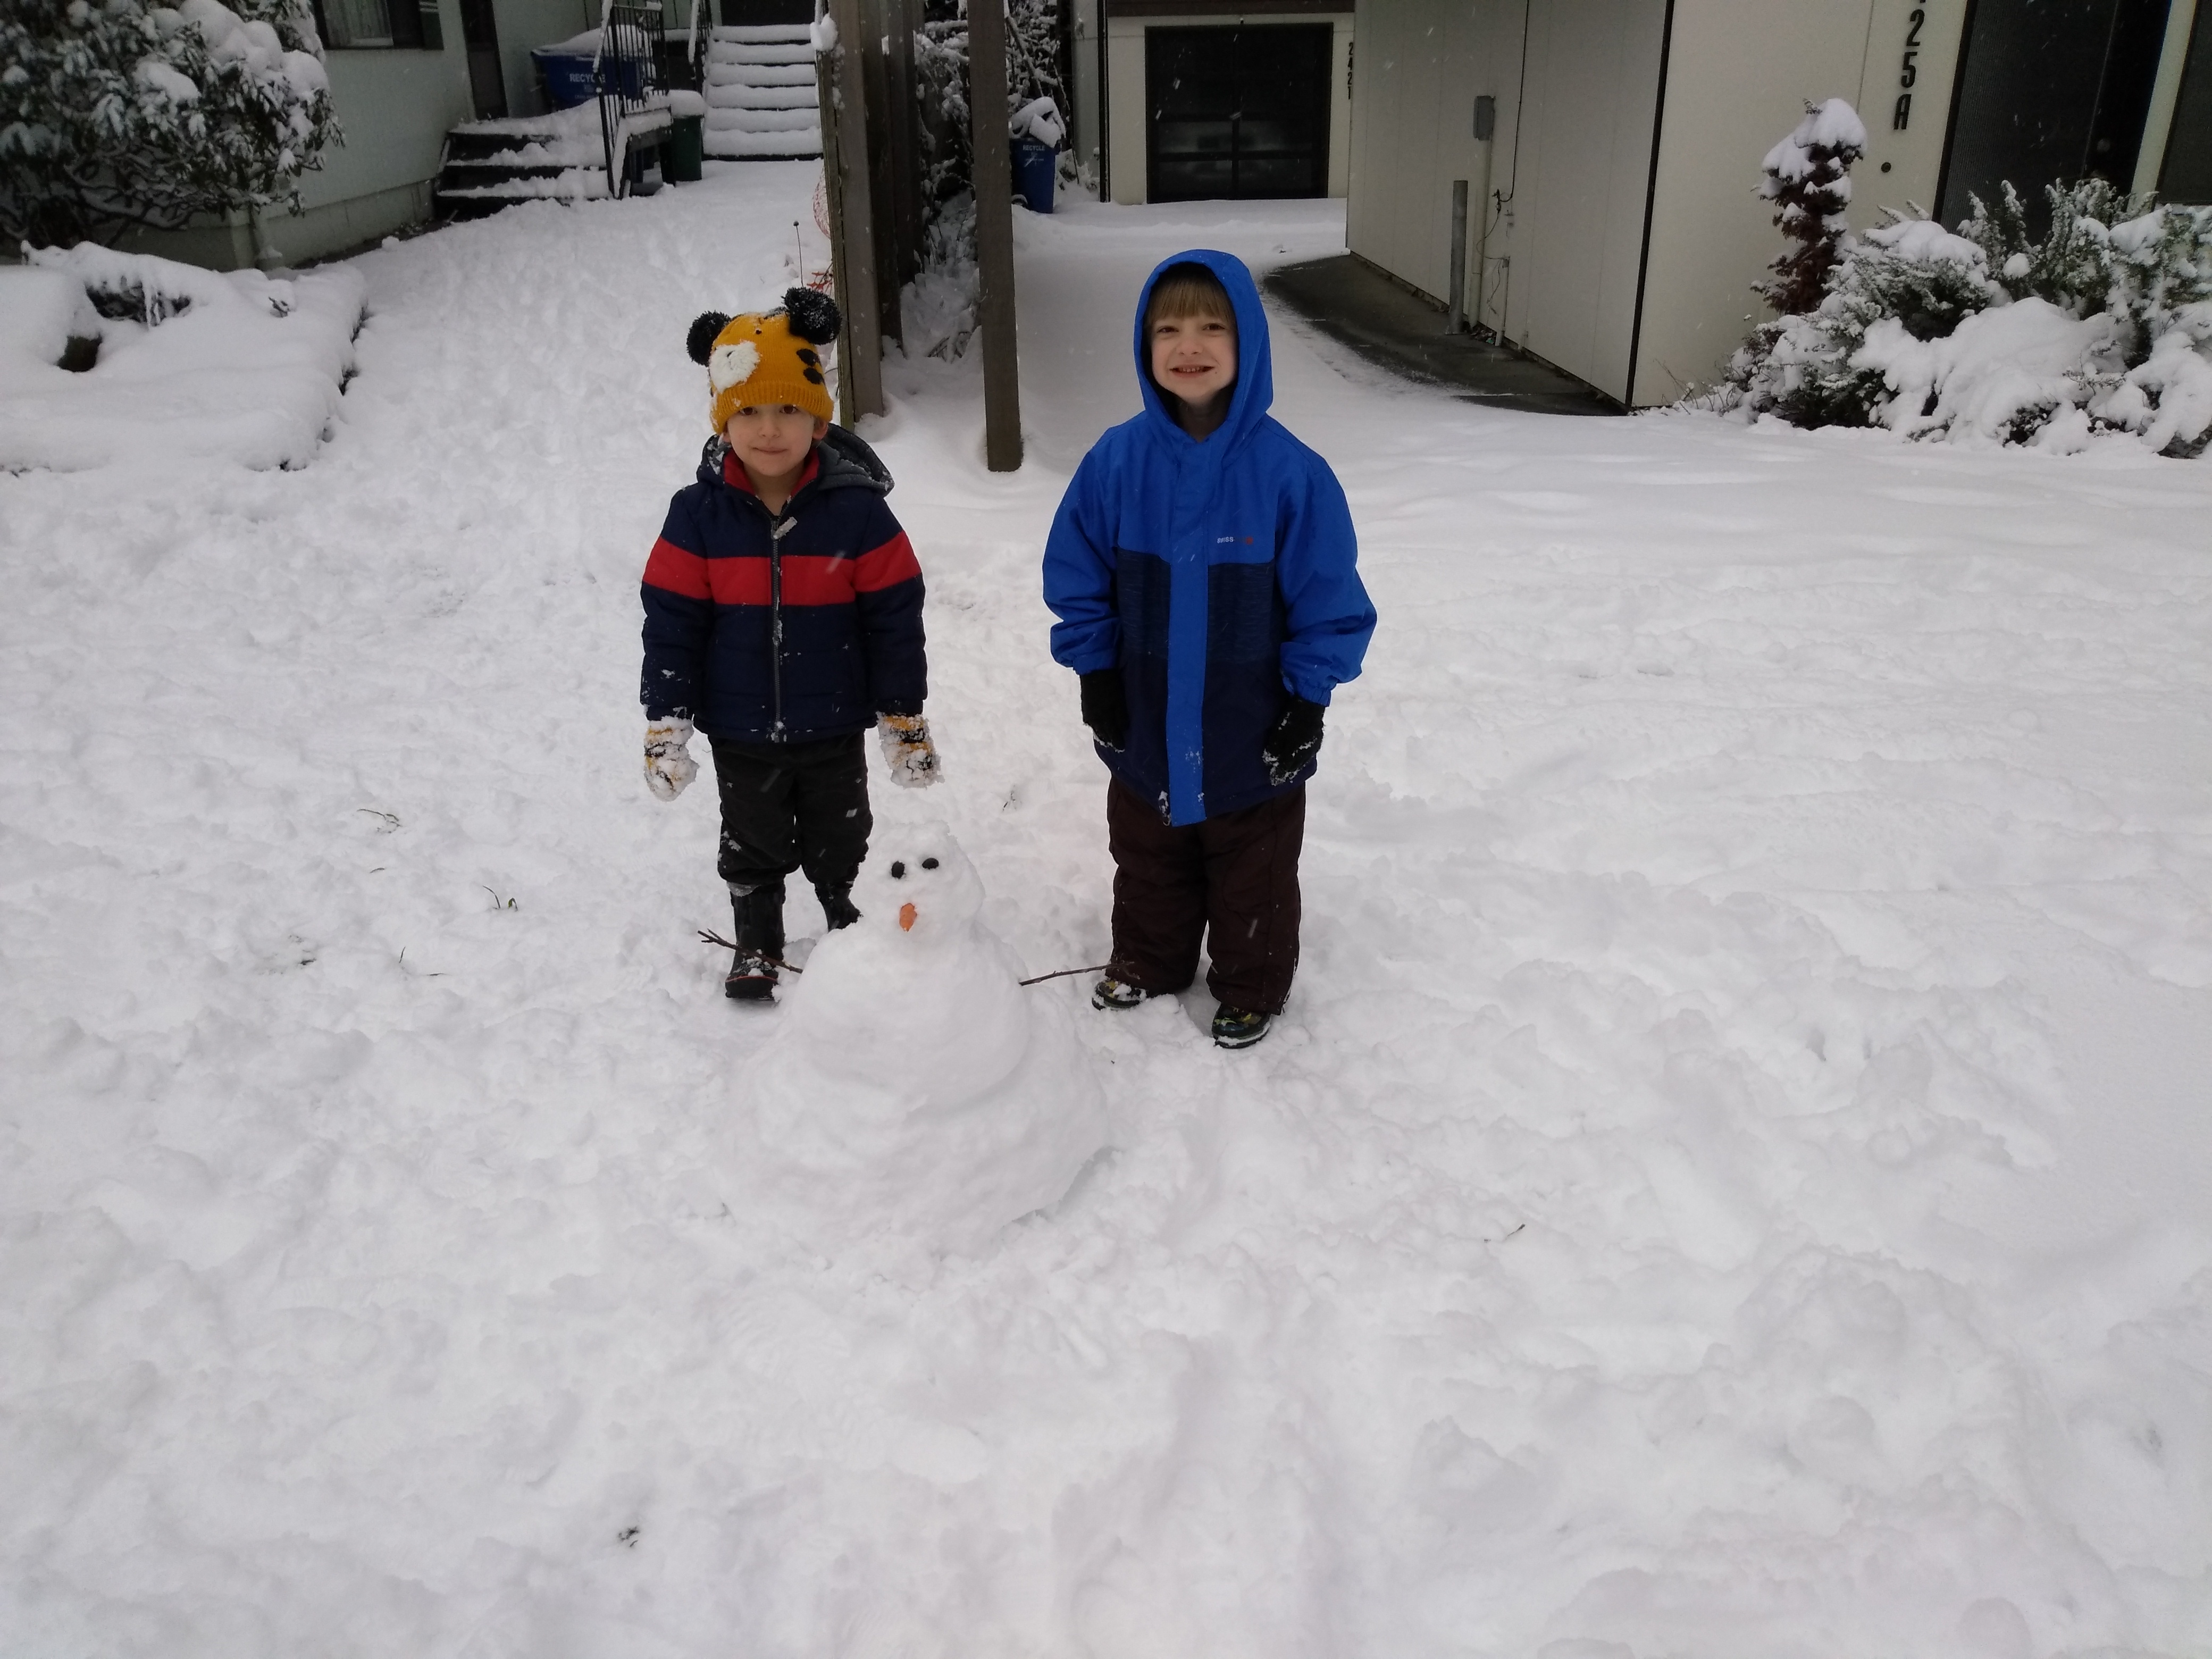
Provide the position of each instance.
(117, 113)
(1809, 180)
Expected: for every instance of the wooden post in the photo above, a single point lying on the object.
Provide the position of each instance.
(902, 139)
(885, 153)
(852, 215)
(994, 235)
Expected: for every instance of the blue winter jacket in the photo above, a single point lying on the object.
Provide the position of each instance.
(1220, 576)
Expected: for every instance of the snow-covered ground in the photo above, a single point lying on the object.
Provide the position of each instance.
(1731, 1181)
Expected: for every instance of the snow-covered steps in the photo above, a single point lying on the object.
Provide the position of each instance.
(760, 93)
(561, 157)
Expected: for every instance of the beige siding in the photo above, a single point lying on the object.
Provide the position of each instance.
(1740, 74)
(1576, 225)
(1417, 70)
(1568, 250)
(1085, 93)
(1125, 99)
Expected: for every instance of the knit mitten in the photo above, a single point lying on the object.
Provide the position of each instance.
(668, 764)
(907, 751)
(1295, 740)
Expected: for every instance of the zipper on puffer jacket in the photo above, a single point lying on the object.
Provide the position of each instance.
(776, 532)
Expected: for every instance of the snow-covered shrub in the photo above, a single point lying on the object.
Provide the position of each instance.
(937, 308)
(119, 112)
(2104, 324)
(2072, 265)
(1807, 369)
(941, 74)
(1037, 51)
(1037, 91)
(191, 364)
(1808, 177)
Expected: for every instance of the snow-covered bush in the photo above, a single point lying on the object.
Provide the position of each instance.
(191, 364)
(117, 113)
(1037, 91)
(939, 306)
(941, 74)
(2104, 324)
(1036, 49)
(1805, 367)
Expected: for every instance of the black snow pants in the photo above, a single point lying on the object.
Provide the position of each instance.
(1233, 879)
(791, 806)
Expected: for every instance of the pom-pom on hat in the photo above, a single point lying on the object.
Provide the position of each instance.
(766, 357)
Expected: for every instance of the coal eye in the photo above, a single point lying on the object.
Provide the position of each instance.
(898, 870)
(929, 864)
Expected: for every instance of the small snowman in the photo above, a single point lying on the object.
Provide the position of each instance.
(913, 1080)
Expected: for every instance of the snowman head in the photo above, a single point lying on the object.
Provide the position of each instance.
(918, 881)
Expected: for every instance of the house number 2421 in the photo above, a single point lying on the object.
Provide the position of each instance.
(1909, 71)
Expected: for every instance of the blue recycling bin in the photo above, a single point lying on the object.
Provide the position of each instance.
(568, 74)
(570, 78)
(1035, 167)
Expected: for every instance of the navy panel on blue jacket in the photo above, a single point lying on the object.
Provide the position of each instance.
(1221, 575)
(784, 628)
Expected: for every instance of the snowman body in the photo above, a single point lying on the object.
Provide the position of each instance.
(912, 1081)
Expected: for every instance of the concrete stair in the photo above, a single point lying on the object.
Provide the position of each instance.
(760, 93)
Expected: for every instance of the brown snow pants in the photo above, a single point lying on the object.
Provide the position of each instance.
(1233, 879)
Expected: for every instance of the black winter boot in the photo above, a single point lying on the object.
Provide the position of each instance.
(759, 917)
(838, 907)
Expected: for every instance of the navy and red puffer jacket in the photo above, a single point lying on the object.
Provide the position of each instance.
(784, 628)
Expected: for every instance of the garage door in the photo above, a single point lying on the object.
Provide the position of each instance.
(1238, 112)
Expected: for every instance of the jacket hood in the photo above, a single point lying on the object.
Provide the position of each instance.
(1255, 374)
(846, 461)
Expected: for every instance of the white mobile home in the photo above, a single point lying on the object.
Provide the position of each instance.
(403, 73)
(1623, 229)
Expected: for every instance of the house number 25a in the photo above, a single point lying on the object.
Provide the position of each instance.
(1909, 71)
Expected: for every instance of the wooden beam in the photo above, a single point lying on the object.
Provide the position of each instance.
(902, 139)
(884, 153)
(852, 215)
(994, 235)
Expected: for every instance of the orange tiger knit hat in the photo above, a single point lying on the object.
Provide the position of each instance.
(759, 358)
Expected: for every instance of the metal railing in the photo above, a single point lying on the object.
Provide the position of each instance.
(627, 71)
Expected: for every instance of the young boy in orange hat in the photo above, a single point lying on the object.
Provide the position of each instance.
(782, 618)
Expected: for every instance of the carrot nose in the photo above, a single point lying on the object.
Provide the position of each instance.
(906, 918)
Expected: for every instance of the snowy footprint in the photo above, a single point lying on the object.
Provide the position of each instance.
(912, 1084)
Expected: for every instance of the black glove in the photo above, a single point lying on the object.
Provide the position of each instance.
(1106, 708)
(1295, 740)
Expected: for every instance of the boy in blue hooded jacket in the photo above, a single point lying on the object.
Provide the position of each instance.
(1204, 570)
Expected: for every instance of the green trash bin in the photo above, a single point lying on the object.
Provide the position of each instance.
(687, 150)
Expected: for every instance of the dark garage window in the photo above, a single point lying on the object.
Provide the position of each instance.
(1239, 112)
(2051, 91)
(2188, 174)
